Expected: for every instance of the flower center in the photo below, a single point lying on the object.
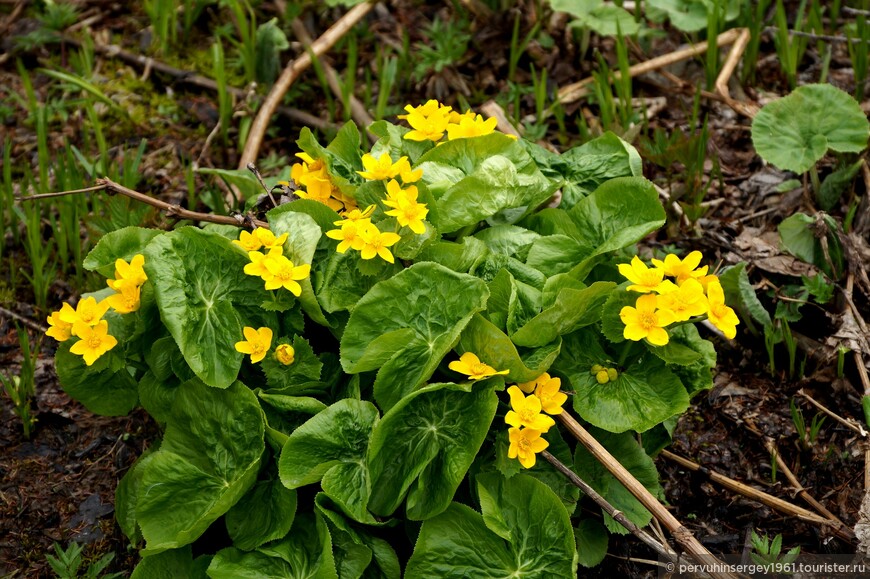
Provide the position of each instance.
(523, 444)
(257, 348)
(94, 342)
(479, 369)
(648, 320)
(527, 415)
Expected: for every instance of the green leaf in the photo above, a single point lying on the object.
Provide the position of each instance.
(407, 324)
(573, 309)
(241, 179)
(836, 184)
(457, 543)
(157, 396)
(605, 19)
(331, 448)
(344, 284)
(476, 179)
(493, 347)
(617, 214)
(459, 257)
(612, 326)
(392, 140)
(424, 445)
(121, 244)
(264, 514)
(126, 495)
(797, 130)
(506, 239)
(740, 294)
(270, 42)
(208, 460)
(342, 156)
(629, 453)
(305, 368)
(591, 542)
(798, 234)
(645, 393)
(306, 552)
(172, 564)
(105, 388)
(692, 15)
(201, 290)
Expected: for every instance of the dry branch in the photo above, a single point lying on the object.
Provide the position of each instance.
(771, 501)
(681, 534)
(289, 75)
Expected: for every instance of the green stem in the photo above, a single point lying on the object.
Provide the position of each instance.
(814, 177)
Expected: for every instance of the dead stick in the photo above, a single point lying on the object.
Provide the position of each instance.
(771, 447)
(357, 110)
(762, 497)
(577, 90)
(106, 184)
(26, 321)
(682, 535)
(847, 422)
(578, 482)
(289, 75)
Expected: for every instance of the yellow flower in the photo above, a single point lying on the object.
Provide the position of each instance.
(257, 267)
(429, 121)
(473, 126)
(529, 387)
(249, 241)
(406, 174)
(59, 329)
(684, 301)
(129, 272)
(355, 215)
(381, 168)
(94, 340)
(525, 444)
(284, 274)
(348, 235)
(395, 193)
(126, 300)
(642, 277)
(645, 322)
(681, 269)
(548, 393)
(285, 354)
(257, 344)
(470, 365)
(268, 239)
(719, 314)
(374, 242)
(410, 214)
(526, 411)
(87, 311)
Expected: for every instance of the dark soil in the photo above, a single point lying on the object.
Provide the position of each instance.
(59, 486)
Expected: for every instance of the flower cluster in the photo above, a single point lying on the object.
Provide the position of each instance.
(273, 267)
(86, 322)
(257, 343)
(603, 375)
(690, 294)
(356, 231)
(431, 121)
(526, 420)
(314, 176)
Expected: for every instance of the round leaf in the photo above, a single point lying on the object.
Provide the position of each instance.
(797, 130)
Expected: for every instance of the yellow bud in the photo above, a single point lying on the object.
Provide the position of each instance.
(612, 374)
(285, 354)
(596, 368)
(602, 377)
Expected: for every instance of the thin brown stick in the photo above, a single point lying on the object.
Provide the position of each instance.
(793, 480)
(681, 534)
(197, 80)
(357, 111)
(662, 549)
(176, 211)
(771, 501)
(814, 36)
(578, 90)
(492, 109)
(728, 69)
(26, 321)
(849, 423)
(13, 16)
(289, 75)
